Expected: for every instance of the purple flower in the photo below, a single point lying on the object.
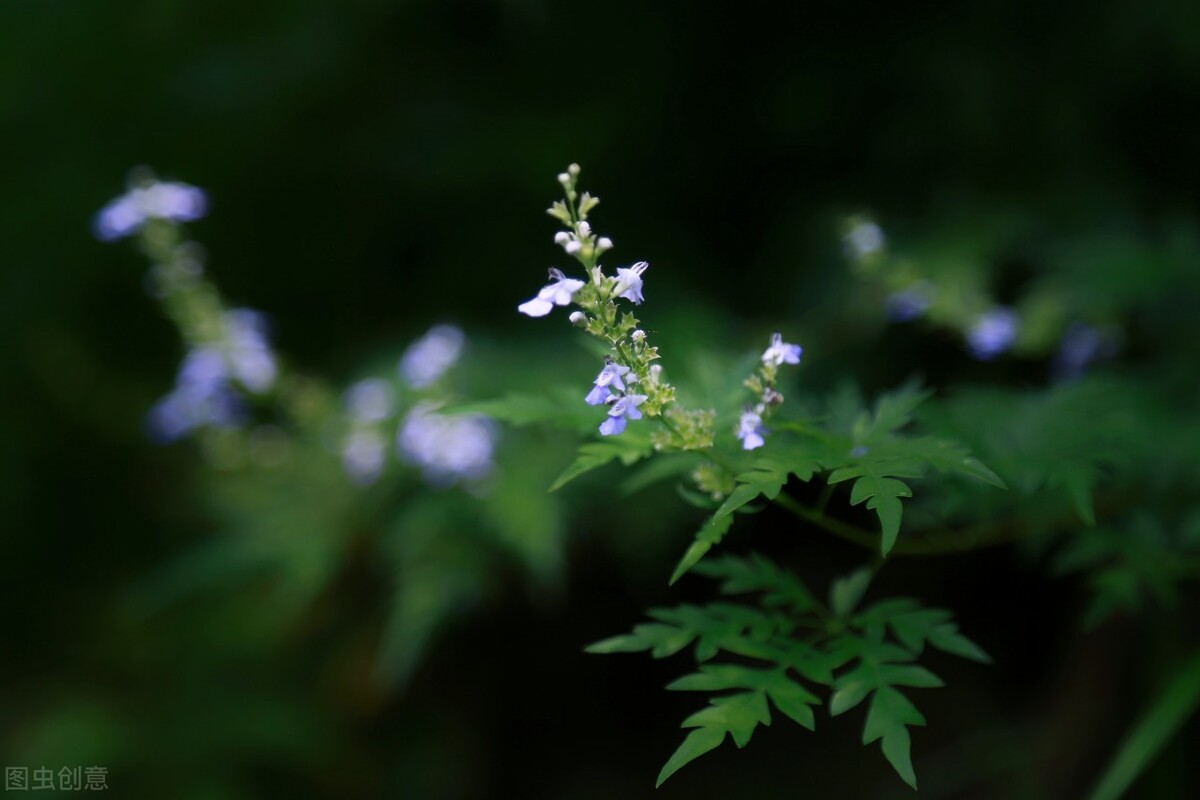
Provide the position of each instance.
(446, 448)
(750, 429)
(557, 293)
(780, 352)
(629, 282)
(908, 304)
(1081, 345)
(126, 214)
(250, 359)
(993, 332)
(201, 397)
(624, 408)
(369, 401)
(428, 358)
(609, 376)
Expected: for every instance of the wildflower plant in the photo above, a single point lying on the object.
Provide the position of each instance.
(304, 476)
(772, 646)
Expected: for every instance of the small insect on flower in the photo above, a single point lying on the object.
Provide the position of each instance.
(609, 376)
(750, 429)
(780, 352)
(624, 408)
(556, 293)
(629, 282)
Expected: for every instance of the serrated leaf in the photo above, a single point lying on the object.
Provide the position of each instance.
(882, 494)
(757, 574)
(661, 640)
(737, 714)
(846, 592)
(897, 749)
(849, 694)
(909, 675)
(793, 700)
(889, 714)
(696, 744)
(596, 454)
(706, 538)
(945, 637)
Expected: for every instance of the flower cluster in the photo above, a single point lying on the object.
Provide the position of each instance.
(208, 388)
(629, 384)
(750, 428)
(445, 448)
(148, 199)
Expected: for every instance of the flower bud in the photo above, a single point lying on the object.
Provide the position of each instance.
(605, 243)
(564, 178)
(585, 230)
(578, 319)
(562, 237)
(574, 170)
(638, 336)
(655, 372)
(572, 247)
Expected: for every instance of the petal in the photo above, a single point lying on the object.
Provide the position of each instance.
(752, 441)
(597, 395)
(537, 307)
(632, 412)
(612, 426)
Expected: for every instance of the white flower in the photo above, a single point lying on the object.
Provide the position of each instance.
(629, 282)
(750, 429)
(557, 293)
(864, 239)
(780, 352)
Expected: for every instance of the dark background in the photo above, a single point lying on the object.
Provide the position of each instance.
(377, 167)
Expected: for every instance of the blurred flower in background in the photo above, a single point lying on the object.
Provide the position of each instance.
(993, 332)
(149, 199)
(428, 358)
(448, 449)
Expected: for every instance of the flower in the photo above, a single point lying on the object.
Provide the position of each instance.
(363, 455)
(201, 397)
(250, 360)
(908, 304)
(446, 448)
(126, 214)
(780, 352)
(610, 375)
(993, 332)
(428, 358)
(864, 239)
(750, 429)
(629, 282)
(557, 292)
(1081, 345)
(369, 401)
(624, 408)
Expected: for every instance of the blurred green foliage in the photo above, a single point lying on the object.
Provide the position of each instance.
(375, 168)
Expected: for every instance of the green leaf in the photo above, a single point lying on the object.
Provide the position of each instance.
(1162, 720)
(945, 637)
(697, 743)
(711, 534)
(887, 718)
(846, 592)
(660, 640)
(883, 494)
(757, 574)
(738, 714)
(596, 454)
